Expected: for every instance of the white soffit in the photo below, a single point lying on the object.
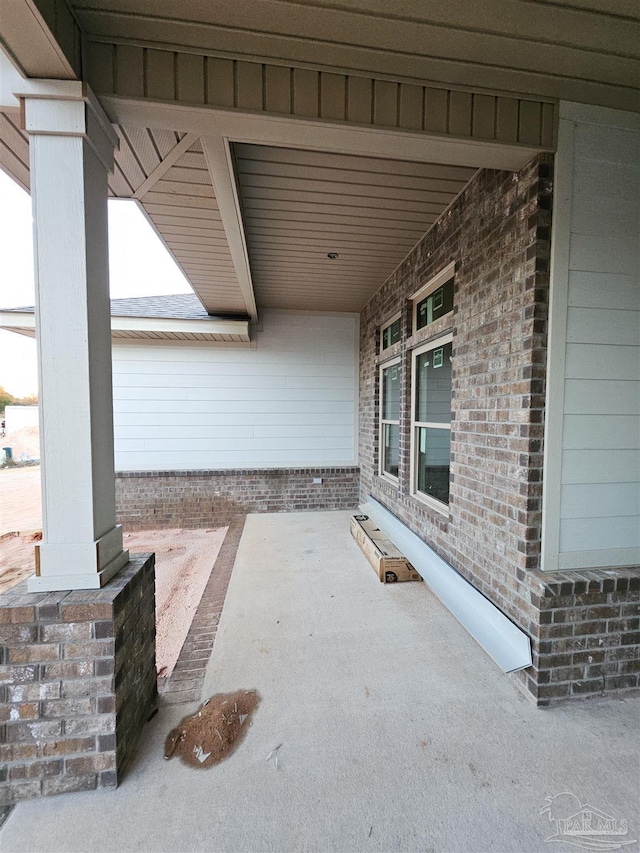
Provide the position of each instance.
(167, 174)
(299, 205)
(14, 149)
(509, 647)
(148, 328)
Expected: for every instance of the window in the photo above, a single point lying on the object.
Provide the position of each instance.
(390, 419)
(390, 334)
(431, 421)
(435, 299)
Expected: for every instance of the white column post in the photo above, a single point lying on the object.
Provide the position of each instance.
(71, 149)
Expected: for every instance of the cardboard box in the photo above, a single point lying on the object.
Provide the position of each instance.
(388, 563)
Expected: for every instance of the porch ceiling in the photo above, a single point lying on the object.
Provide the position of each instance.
(583, 50)
(292, 129)
(298, 206)
(167, 173)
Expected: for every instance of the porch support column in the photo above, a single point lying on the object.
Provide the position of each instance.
(71, 151)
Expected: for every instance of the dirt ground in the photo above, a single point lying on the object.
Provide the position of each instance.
(23, 442)
(184, 559)
(20, 502)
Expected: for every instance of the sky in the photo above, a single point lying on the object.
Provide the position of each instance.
(138, 261)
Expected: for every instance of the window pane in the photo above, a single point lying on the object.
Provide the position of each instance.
(391, 393)
(432, 462)
(433, 385)
(435, 305)
(390, 448)
(391, 334)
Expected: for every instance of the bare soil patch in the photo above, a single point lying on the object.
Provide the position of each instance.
(184, 560)
(214, 731)
(16, 558)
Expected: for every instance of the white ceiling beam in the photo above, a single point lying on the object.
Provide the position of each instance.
(291, 132)
(217, 153)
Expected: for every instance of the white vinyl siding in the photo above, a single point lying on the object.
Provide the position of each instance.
(599, 492)
(291, 401)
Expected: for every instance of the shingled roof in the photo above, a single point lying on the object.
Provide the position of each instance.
(182, 306)
(179, 316)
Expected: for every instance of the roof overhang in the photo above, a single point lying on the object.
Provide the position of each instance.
(228, 332)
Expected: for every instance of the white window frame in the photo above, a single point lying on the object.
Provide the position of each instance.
(393, 362)
(433, 284)
(385, 326)
(431, 502)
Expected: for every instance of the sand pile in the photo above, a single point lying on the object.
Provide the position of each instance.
(214, 731)
(23, 442)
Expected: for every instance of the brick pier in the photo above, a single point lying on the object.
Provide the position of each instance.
(77, 683)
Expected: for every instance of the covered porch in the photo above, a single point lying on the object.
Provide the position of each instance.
(319, 193)
(398, 732)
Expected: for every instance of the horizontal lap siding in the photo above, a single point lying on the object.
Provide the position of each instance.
(600, 493)
(291, 401)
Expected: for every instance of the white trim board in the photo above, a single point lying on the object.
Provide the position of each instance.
(157, 325)
(503, 641)
(324, 135)
(556, 347)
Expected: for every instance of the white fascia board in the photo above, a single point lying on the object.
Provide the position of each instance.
(509, 646)
(169, 324)
(22, 319)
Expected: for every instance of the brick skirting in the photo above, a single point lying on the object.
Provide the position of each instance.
(77, 683)
(586, 637)
(194, 499)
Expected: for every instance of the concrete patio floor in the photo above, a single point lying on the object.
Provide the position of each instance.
(398, 732)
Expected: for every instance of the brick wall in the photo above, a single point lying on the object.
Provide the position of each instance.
(77, 683)
(498, 234)
(587, 641)
(195, 499)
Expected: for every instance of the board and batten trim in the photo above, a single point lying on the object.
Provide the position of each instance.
(590, 500)
(142, 73)
(557, 344)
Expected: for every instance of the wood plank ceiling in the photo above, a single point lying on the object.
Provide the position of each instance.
(300, 206)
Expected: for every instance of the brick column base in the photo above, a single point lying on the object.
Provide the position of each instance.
(77, 683)
(585, 635)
